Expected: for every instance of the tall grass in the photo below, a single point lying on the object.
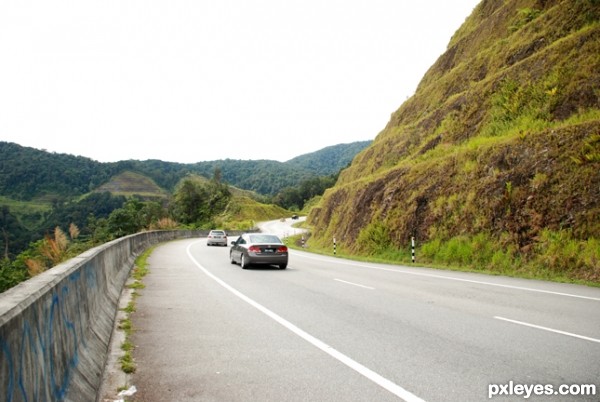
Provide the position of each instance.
(557, 255)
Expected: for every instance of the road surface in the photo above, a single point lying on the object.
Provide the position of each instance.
(328, 329)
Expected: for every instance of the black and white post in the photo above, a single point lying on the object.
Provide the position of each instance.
(334, 245)
(412, 243)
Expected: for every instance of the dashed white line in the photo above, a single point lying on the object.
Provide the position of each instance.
(354, 365)
(354, 284)
(587, 338)
(451, 278)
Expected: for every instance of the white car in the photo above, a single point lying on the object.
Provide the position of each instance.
(216, 237)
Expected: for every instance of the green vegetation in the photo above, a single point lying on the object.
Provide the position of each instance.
(493, 164)
(294, 198)
(44, 194)
(129, 184)
(140, 270)
(198, 200)
(197, 203)
(28, 174)
(40, 191)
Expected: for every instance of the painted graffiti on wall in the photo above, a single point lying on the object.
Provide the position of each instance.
(38, 356)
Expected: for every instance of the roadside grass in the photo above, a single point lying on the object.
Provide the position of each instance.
(482, 254)
(138, 273)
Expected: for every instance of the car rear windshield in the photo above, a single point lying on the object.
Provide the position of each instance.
(217, 232)
(260, 238)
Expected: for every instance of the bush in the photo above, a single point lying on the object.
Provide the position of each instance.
(374, 238)
(11, 274)
(564, 255)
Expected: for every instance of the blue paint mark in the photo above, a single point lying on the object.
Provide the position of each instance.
(26, 336)
(80, 304)
(40, 360)
(11, 371)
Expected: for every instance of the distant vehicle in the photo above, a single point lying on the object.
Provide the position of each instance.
(218, 237)
(258, 248)
(294, 216)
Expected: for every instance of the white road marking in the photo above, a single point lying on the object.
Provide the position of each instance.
(354, 284)
(587, 338)
(451, 278)
(359, 368)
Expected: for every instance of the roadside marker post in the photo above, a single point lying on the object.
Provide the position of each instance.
(412, 240)
(334, 246)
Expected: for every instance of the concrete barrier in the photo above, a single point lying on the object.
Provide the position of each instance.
(55, 328)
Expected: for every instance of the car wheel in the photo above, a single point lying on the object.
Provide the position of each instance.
(243, 262)
(282, 266)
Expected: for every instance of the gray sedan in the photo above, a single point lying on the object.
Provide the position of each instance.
(259, 248)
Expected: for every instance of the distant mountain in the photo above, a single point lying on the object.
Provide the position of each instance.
(28, 173)
(330, 159)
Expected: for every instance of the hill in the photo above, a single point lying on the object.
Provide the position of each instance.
(41, 190)
(494, 162)
(245, 211)
(27, 173)
(130, 183)
(329, 159)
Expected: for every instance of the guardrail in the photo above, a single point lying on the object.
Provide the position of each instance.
(55, 328)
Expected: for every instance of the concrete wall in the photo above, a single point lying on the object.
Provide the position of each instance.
(55, 328)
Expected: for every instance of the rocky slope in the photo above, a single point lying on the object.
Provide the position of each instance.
(498, 149)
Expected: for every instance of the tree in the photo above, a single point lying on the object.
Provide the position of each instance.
(197, 202)
(134, 216)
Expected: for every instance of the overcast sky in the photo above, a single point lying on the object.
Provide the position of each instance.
(198, 80)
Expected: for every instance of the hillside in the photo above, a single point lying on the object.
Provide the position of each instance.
(131, 183)
(328, 159)
(40, 190)
(30, 174)
(494, 162)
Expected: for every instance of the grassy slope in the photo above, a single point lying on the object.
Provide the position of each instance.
(130, 183)
(494, 162)
(29, 213)
(243, 212)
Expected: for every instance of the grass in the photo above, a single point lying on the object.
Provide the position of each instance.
(29, 213)
(139, 271)
(243, 212)
(129, 183)
(483, 254)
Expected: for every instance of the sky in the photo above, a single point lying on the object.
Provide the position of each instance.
(196, 80)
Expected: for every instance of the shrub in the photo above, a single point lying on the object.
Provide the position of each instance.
(374, 238)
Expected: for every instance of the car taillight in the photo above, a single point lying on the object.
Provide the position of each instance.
(254, 249)
(282, 249)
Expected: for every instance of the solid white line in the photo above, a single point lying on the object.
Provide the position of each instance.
(359, 368)
(548, 329)
(354, 284)
(460, 279)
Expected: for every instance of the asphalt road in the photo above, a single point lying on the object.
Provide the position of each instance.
(327, 329)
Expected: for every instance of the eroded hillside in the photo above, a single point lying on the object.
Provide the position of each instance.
(498, 150)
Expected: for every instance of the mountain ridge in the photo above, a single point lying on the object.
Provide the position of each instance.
(27, 173)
